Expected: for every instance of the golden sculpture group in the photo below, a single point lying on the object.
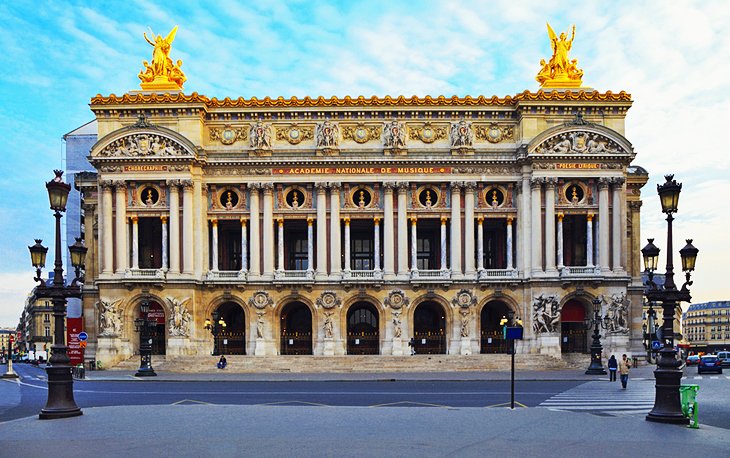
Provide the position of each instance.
(560, 71)
(162, 74)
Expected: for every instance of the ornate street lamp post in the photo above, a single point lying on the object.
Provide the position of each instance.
(667, 407)
(144, 325)
(60, 403)
(596, 366)
(215, 326)
(649, 329)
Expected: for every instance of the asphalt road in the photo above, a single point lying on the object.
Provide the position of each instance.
(305, 393)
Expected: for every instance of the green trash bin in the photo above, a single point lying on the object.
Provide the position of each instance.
(689, 403)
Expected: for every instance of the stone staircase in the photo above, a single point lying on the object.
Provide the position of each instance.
(350, 363)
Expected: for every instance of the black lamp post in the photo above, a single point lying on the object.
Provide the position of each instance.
(649, 328)
(512, 329)
(213, 326)
(667, 407)
(143, 325)
(596, 366)
(60, 403)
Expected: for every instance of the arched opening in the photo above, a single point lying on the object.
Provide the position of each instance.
(232, 336)
(574, 337)
(157, 333)
(296, 329)
(363, 334)
(429, 328)
(492, 338)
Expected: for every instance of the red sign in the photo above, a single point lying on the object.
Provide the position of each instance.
(156, 313)
(75, 353)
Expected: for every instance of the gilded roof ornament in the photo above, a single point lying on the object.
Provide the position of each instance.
(560, 71)
(162, 74)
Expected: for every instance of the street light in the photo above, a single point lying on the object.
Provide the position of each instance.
(596, 366)
(214, 327)
(649, 332)
(143, 325)
(667, 407)
(60, 403)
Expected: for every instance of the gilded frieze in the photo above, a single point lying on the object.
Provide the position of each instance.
(427, 133)
(361, 133)
(295, 134)
(494, 133)
(228, 134)
(143, 145)
(580, 142)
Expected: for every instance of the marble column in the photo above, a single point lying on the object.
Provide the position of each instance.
(550, 225)
(280, 244)
(268, 230)
(335, 236)
(589, 240)
(214, 245)
(414, 246)
(510, 261)
(603, 222)
(536, 240)
(347, 246)
(165, 261)
(122, 253)
(135, 242)
(244, 246)
(560, 241)
(107, 234)
(310, 243)
(376, 244)
(617, 205)
(188, 248)
(172, 186)
(443, 243)
(402, 229)
(388, 233)
(469, 254)
(524, 250)
(480, 243)
(321, 269)
(255, 265)
(456, 229)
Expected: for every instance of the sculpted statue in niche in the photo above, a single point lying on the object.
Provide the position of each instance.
(461, 135)
(397, 329)
(328, 134)
(181, 318)
(260, 325)
(617, 313)
(546, 313)
(110, 321)
(394, 135)
(260, 136)
(465, 317)
(328, 325)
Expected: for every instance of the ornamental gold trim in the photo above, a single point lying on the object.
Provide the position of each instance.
(494, 133)
(347, 101)
(361, 133)
(295, 134)
(227, 134)
(427, 133)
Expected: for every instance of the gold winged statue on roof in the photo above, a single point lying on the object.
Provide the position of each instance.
(162, 74)
(560, 71)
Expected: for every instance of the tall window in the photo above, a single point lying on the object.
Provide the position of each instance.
(574, 240)
(48, 331)
(295, 245)
(150, 243)
(229, 245)
(495, 244)
(362, 245)
(428, 245)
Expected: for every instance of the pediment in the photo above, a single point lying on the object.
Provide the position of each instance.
(149, 141)
(590, 140)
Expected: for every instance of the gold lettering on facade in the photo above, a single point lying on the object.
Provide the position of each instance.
(360, 170)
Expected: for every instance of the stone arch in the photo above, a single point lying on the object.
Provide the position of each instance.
(491, 312)
(364, 322)
(232, 338)
(612, 138)
(431, 332)
(295, 324)
(131, 312)
(574, 308)
(112, 144)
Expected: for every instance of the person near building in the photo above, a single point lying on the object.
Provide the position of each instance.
(612, 368)
(624, 366)
(222, 363)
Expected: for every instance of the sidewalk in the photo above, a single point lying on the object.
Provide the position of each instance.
(641, 372)
(265, 430)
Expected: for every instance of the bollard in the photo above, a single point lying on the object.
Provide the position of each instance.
(689, 403)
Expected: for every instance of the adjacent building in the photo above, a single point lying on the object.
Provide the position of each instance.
(706, 326)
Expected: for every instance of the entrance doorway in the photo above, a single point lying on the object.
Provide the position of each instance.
(157, 334)
(492, 335)
(296, 329)
(573, 334)
(429, 328)
(363, 335)
(232, 337)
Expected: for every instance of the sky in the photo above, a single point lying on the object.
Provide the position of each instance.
(672, 57)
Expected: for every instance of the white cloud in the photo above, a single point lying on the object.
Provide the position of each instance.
(14, 289)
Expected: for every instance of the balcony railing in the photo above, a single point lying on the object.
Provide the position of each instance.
(496, 274)
(145, 273)
(583, 271)
(431, 274)
(294, 275)
(362, 274)
(226, 275)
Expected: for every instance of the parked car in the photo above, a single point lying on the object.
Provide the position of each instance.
(724, 357)
(709, 363)
(693, 360)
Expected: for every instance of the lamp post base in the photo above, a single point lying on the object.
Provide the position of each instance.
(667, 406)
(145, 373)
(61, 403)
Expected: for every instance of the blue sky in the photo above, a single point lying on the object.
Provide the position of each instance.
(673, 60)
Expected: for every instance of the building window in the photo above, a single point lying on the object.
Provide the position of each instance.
(574, 240)
(150, 243)
(48, 331)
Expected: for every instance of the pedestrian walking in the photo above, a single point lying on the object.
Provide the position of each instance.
(612, 368)
(623, 367)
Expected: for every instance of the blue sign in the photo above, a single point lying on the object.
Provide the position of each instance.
(514, 332)
(656, 345)
(83, 336)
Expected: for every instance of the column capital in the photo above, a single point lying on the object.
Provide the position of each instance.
(618, 181)
(551, 182)
(635, 205)
(134, 219)
(414, 219)
(320, 187)
(187, 185)
(106, 184)
(267, 187)
(589, 216)
(280, 221)
(244, 221)
(120, 185)
(163, 218)
(480, 219)
(334, 186)
(444, 219)
(389, 186)
(470, 185)
(536, 183)
(456, 185)
(509, 220)
(253, 186)
(214, 222)
(376, 220)
(560, 216)
(402, 187)
(603, 183)
(310, 220)
(174, 183)
(346, 219)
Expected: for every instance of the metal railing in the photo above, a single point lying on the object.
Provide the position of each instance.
(580, 270)
(297, 275)
(497, 273)
(144, 273)
(227, 275)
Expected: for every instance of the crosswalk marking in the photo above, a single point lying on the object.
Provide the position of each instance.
(600, 397)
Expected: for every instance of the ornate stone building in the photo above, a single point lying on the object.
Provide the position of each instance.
(351, 226)
(706, 326)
